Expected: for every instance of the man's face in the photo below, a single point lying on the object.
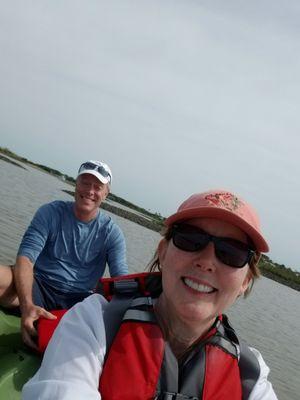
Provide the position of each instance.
(89, 194)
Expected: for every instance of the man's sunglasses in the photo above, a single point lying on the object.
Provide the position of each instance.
(229, 251)
(99, 168)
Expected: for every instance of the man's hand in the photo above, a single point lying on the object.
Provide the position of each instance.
(30, 314)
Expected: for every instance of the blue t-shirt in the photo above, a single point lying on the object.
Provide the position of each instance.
(71, 255)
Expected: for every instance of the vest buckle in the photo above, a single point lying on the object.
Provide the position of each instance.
(174, 396)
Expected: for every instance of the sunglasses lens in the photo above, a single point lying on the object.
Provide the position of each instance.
(232, 252)
(88, 165)
(188, 238)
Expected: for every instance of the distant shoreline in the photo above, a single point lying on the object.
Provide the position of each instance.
(154, 221)
(138, 219)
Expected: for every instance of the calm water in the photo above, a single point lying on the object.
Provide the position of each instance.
(268, 319)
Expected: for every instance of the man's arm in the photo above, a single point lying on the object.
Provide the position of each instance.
(31, 246)
(23, 277)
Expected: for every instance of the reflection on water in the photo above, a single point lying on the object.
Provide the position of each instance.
(268, 319)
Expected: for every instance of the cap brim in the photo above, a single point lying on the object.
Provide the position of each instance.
(224, 215)
(96, 174)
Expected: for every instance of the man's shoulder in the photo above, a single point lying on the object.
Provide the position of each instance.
(57, 205)
(104, 218)
(107, 221)
(54, 209)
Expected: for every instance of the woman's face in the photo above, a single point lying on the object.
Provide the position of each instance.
(196, 285)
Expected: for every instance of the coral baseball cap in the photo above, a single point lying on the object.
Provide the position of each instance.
(225, 206)
(97, 168)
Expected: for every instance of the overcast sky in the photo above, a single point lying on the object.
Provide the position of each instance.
(177, 96)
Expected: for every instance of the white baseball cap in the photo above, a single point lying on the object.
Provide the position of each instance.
(97, 168)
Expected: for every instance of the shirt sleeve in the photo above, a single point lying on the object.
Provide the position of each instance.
(73, 361)
(116, 253)
(37, 233)
(263, 389)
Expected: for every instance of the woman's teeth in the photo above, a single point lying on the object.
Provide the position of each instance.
(198, 286)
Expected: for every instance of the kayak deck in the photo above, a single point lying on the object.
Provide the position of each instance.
(17, 363)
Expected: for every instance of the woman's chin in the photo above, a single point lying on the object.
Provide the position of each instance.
(192, 313)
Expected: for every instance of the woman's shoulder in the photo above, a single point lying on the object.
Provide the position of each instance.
(263, 389)
(82, 324)
(93, 305)
(85, 315)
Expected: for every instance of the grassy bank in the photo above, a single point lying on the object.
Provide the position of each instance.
(150, 223)
(154, 221)
(279, 273)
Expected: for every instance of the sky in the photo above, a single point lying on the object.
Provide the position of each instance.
(177, 96)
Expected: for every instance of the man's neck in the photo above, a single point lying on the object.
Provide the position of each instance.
(85, 216)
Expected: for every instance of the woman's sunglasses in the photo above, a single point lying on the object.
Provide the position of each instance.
(229, 251)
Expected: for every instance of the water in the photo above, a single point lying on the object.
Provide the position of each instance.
(268, 319)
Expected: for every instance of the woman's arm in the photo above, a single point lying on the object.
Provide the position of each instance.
(73, 360)
(263, 389)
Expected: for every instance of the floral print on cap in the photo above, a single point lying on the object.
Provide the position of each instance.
(225, 200)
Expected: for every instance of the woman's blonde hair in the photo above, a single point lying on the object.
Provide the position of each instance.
(254, 273)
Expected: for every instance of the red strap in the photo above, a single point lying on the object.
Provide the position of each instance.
(46, 327)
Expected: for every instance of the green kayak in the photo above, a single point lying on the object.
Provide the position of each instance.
(17, 363)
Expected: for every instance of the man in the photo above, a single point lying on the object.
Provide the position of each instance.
(64, 252)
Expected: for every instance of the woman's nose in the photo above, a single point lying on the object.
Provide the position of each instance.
(206, 258)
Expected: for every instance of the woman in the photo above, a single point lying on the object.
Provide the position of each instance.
(181, 345)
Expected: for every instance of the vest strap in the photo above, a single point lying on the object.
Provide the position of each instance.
(141, 301)
(124, 291)
(140, 316)
(250, 369)
(229, 347)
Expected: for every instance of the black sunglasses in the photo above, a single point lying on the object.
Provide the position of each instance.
(229, 251)
(98, 168)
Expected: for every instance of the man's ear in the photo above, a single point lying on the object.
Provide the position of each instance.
(107, 190)
(161, 250)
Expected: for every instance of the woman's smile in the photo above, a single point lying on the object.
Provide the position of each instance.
(197, 286)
